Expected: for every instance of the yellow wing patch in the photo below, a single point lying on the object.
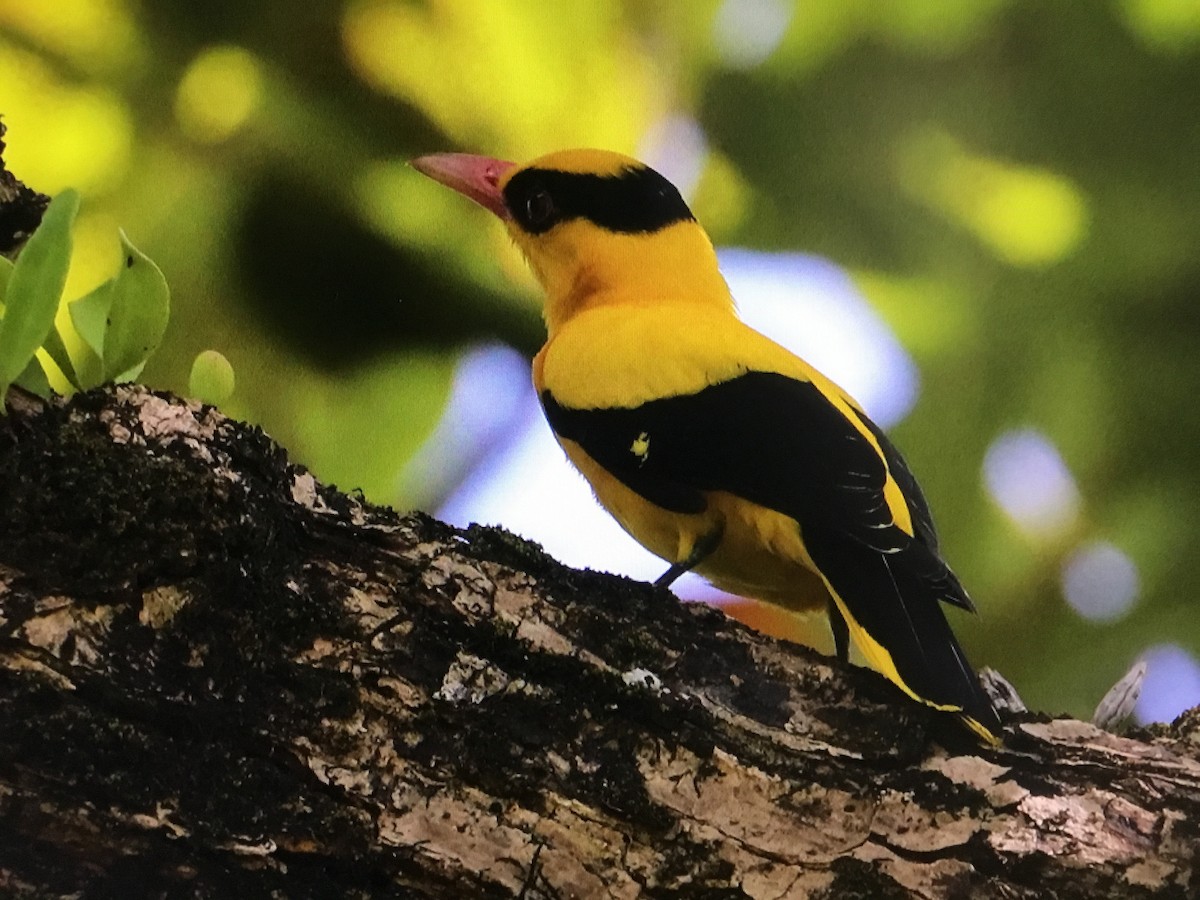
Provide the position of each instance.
(641, 447)
(896, 502)
(892, 495)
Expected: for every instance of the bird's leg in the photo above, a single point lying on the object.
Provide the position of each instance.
(841, 632)
(700, 550)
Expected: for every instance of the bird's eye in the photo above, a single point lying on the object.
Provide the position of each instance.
(539, 208)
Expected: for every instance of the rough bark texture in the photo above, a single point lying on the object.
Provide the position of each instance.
(219, 678)
(21, 208)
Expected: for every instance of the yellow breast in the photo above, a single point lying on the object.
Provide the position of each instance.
(761, 554)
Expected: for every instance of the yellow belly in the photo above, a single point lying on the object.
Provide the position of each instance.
(761, 554)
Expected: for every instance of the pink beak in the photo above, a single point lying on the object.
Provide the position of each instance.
(475, 177)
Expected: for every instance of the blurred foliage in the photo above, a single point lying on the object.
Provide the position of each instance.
(1014, 185)
(212, 379)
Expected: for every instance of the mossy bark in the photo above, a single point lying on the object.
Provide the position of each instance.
(21, 208)
(220, 678)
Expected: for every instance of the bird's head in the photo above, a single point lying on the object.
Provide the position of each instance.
(596, 227)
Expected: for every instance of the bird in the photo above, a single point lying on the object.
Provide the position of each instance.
(713, 446)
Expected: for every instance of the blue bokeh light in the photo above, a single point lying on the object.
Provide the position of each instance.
(530, 488)
(676, 147)
(1027, 477)
(1172, 684)
(488, 397)
(812, 307)
(1100, 582)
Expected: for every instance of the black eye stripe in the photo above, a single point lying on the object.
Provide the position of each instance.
(634, 201)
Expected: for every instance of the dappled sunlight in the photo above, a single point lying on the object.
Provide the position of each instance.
(1027, 216)
(505, 76)
(220, 90)
(398, 201)
(100, 36)
(405, 395)
(403, 205)
(61, 134)
(932, 26)
(1172, 25)
(820, 29)
(929, 316)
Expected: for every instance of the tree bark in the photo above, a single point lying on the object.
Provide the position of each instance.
(220, 678)
(21, 208)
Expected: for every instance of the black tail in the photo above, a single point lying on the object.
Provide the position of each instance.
(891, 597)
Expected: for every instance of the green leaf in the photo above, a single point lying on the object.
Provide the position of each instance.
(138, 314)
(6, 268)
(89, 315)
(34, 287)
(34, 379)
(129, 374)
(57, 351)
(212, 378)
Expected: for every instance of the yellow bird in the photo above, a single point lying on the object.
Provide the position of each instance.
(713, 446)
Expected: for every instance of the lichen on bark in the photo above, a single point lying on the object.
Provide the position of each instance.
(219, 677)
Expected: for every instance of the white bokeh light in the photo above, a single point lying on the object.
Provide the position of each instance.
(1027, 477)
(1100, 582)
(746, 32)
(677, 148)
(811, 306)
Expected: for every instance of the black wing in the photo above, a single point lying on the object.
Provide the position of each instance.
(780, 443)
(768, 438)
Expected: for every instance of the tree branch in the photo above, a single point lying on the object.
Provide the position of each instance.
(21, 208)
(221, 678)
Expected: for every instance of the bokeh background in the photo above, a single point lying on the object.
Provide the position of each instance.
(981, 217)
